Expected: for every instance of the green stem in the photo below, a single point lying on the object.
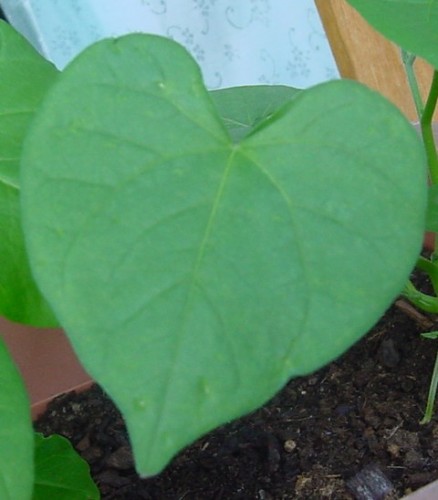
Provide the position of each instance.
(428, 414)
(427, 129)
(408, 60)
(431, 268)
(434, 256)
(424, 112)
(421, 300)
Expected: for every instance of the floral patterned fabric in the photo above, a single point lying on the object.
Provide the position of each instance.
(236, 42)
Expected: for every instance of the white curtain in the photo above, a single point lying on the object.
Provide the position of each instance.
(236, 42)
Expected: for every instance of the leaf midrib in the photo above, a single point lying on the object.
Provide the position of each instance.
(189, 298)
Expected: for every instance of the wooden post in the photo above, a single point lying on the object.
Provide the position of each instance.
(363, 54)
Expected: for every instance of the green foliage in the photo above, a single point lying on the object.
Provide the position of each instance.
(411, 24)
(16, 436)
(196, 272)
(60, 473)
(200, 248)
(25, 77)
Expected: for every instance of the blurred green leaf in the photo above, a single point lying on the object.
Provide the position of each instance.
(25, 77)
(411, 24)
(16, 435)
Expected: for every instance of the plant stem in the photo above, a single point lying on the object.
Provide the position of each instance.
(427, 130)
(421, 300)
(408, 60)
(434, 256)
(432, 394)
(424, 112)
(431, 268)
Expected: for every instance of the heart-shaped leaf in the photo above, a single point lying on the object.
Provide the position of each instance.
(16, 435)
(195, 275)
(412, 24)
(25, 77)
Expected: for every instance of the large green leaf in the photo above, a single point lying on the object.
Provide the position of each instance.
(412, 24)
(24, 78)
(195, 275)
(16, 435)
(60, 473)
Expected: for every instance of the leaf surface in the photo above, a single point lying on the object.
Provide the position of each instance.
(195, 275)
(411, 24)
(16, 435)
(25, 77)
(60, 472)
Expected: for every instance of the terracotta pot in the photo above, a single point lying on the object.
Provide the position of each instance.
(428, 492)
(429, 241)
(46, 361)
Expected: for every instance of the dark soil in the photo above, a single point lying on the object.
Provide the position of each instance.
(349, 431)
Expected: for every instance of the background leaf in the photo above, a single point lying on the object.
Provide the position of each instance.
(60, 472)
(194, 275)
(242, 108)
(25, 77)
(412, 24)
(16, 435)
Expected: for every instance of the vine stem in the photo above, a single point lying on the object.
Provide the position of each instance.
(421, 300)
(424, 112)
(427, 130)
(425, 302)
(431, 268)
(408, 60)
(432, 394)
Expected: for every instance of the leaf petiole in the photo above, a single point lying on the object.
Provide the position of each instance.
(408, 60)
(421, 300)
(427, 130)
(431, 268)
(428, 414)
